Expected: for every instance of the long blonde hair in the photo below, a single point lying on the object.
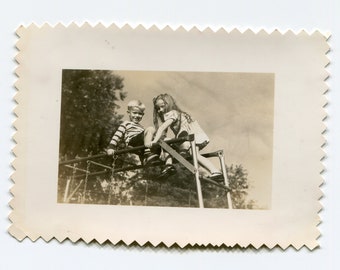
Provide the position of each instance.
(170, 104)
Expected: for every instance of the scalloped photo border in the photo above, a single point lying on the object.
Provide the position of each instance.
(298, 61)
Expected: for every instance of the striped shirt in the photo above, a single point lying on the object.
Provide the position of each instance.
(126, 131)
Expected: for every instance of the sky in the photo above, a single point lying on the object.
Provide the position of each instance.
(235, 109)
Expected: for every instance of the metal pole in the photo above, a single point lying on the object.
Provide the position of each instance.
(99, 164)
(146, 194)
(110, 188)
(74, 191)
(76, 169)
(71, 184)
(85, 184)
(122, 151)
(196, 174)
(226, 181)
(67, 189)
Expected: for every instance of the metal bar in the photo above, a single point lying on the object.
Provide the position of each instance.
(110, 188)
(99, 164)
(214, 183)
(127, 168)
(226, 181)
(123, 169)
(146, 194)
(212, 154)
(76, 160)
(85, 184)
(75, 168)
(126, 150)
(171, 141)
(177, 156)
(67, 189)
(74, 191)
(135, 167)
(91, 174)
(196, 174)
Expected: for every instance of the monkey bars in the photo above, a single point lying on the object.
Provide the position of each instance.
(166, 146)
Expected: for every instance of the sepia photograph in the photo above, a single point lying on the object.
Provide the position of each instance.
(170, 135)
(126, 138)
(155, 136)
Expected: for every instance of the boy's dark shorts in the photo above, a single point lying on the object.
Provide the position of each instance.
(138, 140)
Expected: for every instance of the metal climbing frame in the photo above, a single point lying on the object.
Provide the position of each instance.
(193, 168)
(166, 145)
(220, 155)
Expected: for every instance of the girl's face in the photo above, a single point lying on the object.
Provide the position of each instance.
(161, 106)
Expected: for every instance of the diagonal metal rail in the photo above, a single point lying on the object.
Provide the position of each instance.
(177, 156)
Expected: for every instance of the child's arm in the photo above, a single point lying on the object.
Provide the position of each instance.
(161, 129)
(116, 138)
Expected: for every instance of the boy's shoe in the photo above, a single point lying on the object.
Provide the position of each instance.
(151, 159)
(217, 177)
(167, 171)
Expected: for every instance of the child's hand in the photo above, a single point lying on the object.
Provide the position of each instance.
(110, 152)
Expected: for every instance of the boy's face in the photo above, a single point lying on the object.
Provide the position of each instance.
(135, 115)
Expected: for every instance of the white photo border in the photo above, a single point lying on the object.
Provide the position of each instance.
(298, 61)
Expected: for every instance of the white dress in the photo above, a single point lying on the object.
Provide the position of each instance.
(181, 127)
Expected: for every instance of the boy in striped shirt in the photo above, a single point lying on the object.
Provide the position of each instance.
(133, 133)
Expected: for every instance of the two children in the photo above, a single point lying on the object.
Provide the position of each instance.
(166, 115)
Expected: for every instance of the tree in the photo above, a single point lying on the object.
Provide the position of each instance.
(88, 115)
(88, 110)
(180, 189)
(238, 182)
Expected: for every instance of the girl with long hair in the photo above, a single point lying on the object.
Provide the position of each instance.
(167, 114)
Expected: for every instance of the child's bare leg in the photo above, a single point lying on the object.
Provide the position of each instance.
(206, 163)
(149, 134)
(149, 155)
(215, 174)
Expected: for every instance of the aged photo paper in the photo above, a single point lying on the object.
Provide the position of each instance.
(169, 136)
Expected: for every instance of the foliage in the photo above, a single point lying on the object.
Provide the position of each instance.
(238, 181)
(143, 188)
(88, 110)
(88, 119)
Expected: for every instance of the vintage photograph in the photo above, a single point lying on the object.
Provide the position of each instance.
(176, 139)
(155, 136)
